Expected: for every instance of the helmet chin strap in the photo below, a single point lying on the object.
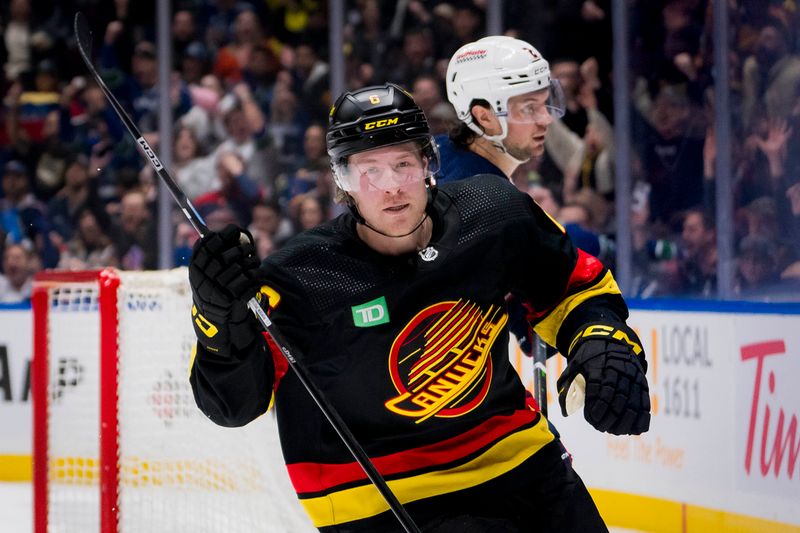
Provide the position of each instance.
(361, 220)
(497, 140)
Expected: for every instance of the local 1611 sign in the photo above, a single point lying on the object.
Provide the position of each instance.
(725, 433)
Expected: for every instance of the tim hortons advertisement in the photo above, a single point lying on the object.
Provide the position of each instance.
(768, 401)
(724, 433)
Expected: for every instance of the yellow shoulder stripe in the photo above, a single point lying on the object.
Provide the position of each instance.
(547, 329)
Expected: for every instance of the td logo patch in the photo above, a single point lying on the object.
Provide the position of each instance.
(370, 314)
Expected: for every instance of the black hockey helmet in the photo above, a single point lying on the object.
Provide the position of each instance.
(374, 117)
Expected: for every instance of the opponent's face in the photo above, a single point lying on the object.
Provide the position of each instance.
(391, 195)
(528, 119)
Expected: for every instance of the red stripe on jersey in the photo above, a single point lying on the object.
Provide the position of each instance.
(278, 360)
(587, 268)
(316, 477)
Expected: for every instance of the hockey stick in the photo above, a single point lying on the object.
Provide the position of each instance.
(540, 373)
(84, 37)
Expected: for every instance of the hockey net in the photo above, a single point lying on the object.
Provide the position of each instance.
(119, 445)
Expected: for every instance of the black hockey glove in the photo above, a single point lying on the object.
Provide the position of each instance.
(607, 361)
(224, 273)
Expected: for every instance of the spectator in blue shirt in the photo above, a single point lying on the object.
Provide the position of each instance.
(22, 216)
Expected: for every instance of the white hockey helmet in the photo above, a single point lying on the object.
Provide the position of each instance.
(496, 69)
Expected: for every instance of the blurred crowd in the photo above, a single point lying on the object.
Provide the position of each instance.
(673, 145)
(250, 96)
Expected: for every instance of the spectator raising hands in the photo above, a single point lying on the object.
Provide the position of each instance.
(774, 145)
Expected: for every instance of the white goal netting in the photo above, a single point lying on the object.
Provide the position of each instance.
(177, 471)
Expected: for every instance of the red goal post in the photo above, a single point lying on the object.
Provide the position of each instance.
(118, 444)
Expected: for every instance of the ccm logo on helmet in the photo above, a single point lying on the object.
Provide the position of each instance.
(381, 123)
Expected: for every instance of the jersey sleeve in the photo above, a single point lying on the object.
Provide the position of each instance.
(232, 391)
(561, 286)
(235, 390)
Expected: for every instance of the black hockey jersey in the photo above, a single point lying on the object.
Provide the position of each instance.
(411, 350)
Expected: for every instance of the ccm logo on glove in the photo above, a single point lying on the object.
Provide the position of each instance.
(600, 330)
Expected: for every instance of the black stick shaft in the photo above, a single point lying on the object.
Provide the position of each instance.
(540, 373)
(83, 35)
(336, 421)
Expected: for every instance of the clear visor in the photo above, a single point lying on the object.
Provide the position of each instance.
(535, 106)
(387, 168)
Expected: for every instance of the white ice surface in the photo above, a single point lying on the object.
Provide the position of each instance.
(16, 507)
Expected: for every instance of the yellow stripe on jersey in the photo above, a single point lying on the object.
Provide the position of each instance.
(547, 329)
(192, 357)
(554, 221)
(365, 501)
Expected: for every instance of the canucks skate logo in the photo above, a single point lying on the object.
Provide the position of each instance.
(440, 363)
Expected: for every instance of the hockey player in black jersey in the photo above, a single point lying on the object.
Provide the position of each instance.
(399, 308)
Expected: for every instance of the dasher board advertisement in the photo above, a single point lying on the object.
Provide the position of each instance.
(723, 448)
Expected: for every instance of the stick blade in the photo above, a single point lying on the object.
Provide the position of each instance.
(84, 36)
